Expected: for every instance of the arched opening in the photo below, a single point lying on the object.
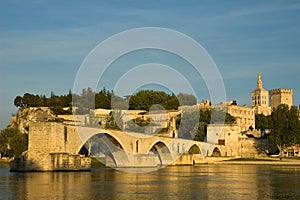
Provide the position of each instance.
(216, 152)
(194, 149)
(104, 148)
(194, 153)
(162, 152)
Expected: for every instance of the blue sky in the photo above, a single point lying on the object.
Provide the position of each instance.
(43, 43)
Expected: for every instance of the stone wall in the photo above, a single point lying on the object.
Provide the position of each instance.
(232, 143)
(48, 151)
(281, 96)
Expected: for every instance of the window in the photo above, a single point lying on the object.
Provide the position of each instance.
(65, 134)
(221, 142)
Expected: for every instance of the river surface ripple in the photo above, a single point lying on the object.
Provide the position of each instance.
(174, 182)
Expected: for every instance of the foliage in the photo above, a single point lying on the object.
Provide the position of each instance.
(137, 125)
(12, 142)
(146, 99)
(55, 103)
(186, 99)
(88, 99)
(262, 122)
(93, 121)
(285, 127)
(115, 120)
(18, 144)
(221, 116)
(187, 124)
(141, 122)
(194, 123)
(118, 103)
(84, 102)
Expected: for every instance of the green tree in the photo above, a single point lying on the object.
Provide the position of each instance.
(188, 123)
(116, 121)
(220, 116)
(193, 126)
(18, 102)
(18, 144)
(103, 99)
(186, 99)
(201, 132)
(118, 103)
(145, 99)
(262, 122)
(285, 127)
(5, 137)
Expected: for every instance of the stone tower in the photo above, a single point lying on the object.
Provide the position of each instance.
(260, 98)
(281, 96)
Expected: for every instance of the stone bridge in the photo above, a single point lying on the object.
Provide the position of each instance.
(122, 149)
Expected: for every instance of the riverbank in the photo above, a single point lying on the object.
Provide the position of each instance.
(258, 161)
(218, 161)
(4, 163)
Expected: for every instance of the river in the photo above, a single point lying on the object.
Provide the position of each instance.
(174, 182)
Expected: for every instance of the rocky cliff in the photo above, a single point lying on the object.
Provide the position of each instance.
(31, 114)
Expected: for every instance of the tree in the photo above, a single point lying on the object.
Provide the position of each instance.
(262, 122)
(146, 99)
(221, 116)
(118, 103)
(5, 136)
(201, 132)
(186, 99)
(116, 121)
(18, 144)
(103, 99)
(18, 102)
(285, 127)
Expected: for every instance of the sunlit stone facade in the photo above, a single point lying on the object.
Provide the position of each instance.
(281, 96)
(260, 98)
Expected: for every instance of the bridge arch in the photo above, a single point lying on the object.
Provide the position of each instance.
(216, 152)
(194, 149)
(163, 153)
(105, 144)
(112, 140)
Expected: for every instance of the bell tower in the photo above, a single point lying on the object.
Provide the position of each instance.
(260, 98)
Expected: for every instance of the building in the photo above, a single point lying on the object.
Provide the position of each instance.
(205, 104)
(226, 135)
(260, 99)
(281, 96)
(245, 117)
(231, 142)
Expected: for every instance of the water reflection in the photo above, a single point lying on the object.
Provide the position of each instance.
(37, 185)
(184, 182)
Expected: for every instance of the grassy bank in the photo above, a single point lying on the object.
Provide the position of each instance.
(97, 162)
(251, 159)
(4, 164)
